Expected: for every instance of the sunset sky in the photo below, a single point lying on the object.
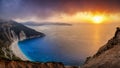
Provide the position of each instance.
(75, 11)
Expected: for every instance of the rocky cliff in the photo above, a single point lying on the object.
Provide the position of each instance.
(11, 31)
(108, 56)
(27, 64)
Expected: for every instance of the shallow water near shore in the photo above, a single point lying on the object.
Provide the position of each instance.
(67, 44)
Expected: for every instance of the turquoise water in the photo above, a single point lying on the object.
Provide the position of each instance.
(45, 51)
(67, 44)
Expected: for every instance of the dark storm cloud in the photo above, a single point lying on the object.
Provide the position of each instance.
(46, 8)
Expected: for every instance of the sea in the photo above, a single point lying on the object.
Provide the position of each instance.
(69, 44)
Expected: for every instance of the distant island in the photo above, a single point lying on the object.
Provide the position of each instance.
(46, 24)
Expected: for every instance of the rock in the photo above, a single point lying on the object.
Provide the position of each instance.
(108, 56)
(55, 65)
(72, 66)
(27, 64)
(22, 36)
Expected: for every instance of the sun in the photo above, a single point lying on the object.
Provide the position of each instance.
(98, 19)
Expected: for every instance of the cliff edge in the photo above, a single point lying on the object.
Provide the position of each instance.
(108, 56)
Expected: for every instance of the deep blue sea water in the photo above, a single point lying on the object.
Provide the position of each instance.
(46, 51)
(67, 44)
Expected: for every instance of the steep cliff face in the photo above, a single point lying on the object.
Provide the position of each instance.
(108, 56)
(10, 32)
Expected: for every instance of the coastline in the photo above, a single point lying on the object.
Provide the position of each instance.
(16, 50)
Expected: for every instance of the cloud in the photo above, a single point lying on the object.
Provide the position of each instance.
(45, 8)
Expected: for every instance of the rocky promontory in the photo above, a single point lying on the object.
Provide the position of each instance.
(11, 31)
(108, 56)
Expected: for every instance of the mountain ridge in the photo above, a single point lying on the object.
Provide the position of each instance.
(46, 24)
